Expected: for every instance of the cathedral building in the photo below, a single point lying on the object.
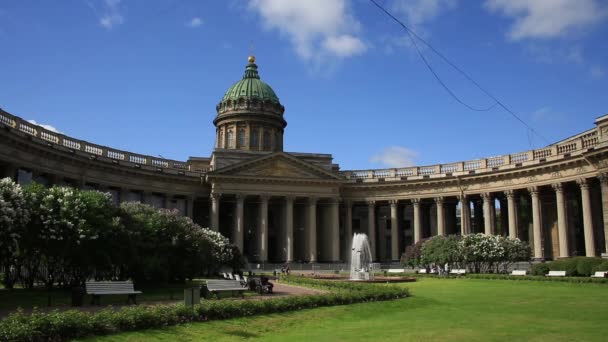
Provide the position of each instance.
(279, 206)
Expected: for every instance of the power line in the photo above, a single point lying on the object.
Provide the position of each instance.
(412, 34)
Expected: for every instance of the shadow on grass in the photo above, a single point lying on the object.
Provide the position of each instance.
(241, 333)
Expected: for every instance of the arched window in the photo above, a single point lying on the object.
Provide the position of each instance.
(230, 136)
(255, 138)
(241, 137)
(266, 141)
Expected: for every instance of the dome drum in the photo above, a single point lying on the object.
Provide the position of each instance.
(250, 116)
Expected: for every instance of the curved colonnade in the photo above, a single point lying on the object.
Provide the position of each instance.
(300, 207)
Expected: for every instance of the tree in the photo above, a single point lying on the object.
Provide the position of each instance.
(440, 250)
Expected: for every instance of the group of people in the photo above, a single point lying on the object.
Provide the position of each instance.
(438, 269)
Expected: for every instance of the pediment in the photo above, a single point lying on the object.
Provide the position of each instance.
(278, 165)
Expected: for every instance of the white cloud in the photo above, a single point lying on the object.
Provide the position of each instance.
(316, 28)
(48, 127)
(548, 18)
(418, 12)
(108, 12)
(549, 54)
(195, 22)
(597, 71)
(344, 45)
(395, 156)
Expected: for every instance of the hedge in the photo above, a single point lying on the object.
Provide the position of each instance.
(578, 280)
(66, 325)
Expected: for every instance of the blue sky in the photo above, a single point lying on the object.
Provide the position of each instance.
(145, 76)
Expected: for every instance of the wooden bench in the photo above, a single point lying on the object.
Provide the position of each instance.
(396, 270)
(601, 274)
(104, 288)
(215, 286)
(556, 274)
(458, 271)
(519, 273)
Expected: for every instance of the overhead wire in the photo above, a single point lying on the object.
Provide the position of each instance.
(413, 36)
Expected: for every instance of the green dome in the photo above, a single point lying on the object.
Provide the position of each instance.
(251, 87)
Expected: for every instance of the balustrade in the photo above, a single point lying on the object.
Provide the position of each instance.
(75, 145)
(116, 155)
(25, 128)
(93, 150)
(11, 121)
(49, 137)
(472, 165)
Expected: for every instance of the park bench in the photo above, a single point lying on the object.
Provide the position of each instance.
(215, 286)
(104, 288)
(519, 273)
(423, 271)
(396, 270)
(601, 274)
(458, 271)
(556, 274)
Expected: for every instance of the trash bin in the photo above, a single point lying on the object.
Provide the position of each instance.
(77, 296)
(192, 295)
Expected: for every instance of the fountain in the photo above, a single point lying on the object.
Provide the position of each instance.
(361, 259)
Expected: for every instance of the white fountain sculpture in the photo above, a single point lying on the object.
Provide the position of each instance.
(361, 259)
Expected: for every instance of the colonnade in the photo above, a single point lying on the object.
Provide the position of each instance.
(327, 234)
(484, 217)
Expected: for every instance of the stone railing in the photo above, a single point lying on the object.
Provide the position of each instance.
(567, 148)
(94, 151)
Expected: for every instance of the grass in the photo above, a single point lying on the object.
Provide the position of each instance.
(454, 310)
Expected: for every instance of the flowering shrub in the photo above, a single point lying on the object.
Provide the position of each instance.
(65, 236)
(491, 253)
(477, 252)
(13, 218)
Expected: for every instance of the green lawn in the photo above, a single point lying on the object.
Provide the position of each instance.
(454, 310)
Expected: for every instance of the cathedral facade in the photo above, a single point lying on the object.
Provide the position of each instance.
(279, 206)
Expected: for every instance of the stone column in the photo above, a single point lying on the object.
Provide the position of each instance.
(440, 216)
(417, 220)
(512, 209)
(465, 215)
(477, 207)
(237, 233)
(288, 243)
(348, 230)
(488, 204)
(562, 220)
(536, 223)
(587, 217)
(311, 230)
(334, 229)
(394, 230)
(603, 177)
(263, 236)
(214, 214)
(371, 226)
(190, 207)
